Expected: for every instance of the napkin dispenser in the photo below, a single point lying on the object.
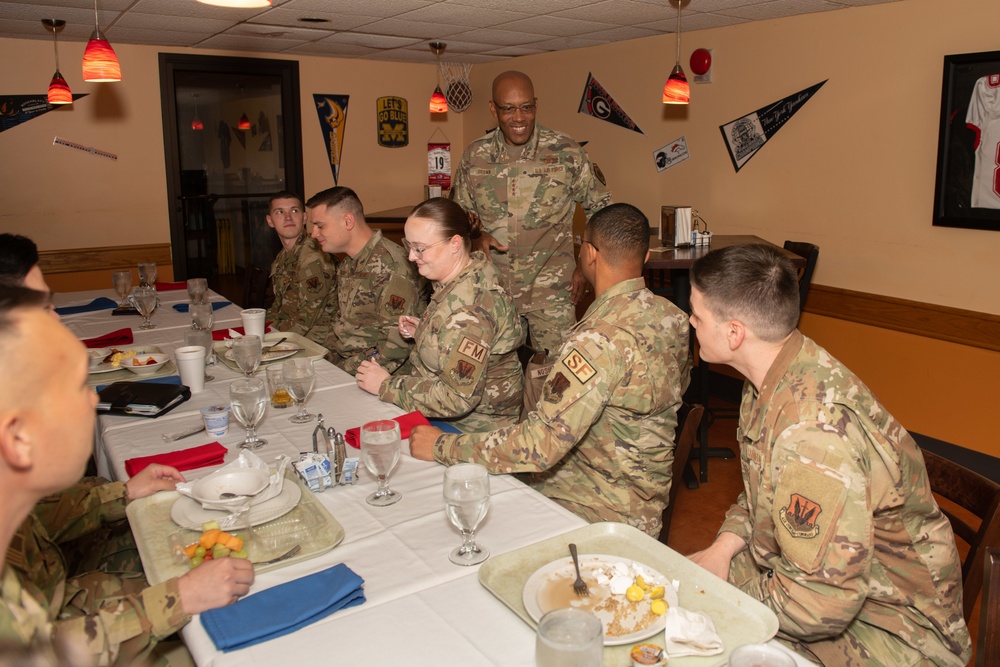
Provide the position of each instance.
(676, 226)
(328, 464)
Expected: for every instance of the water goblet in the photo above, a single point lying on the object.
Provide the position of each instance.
(123, 284)
(299, 379)
(145, 301)
(197, 289)
(466, 499)
(202, 316)
(147, 274)
(248, 401)
(380, 444)
(246, 354)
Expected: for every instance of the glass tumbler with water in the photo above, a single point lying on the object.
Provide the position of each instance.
(569, 638)
(145, 301)
(299, 379)
(248, 400)
(147, 274)
(246, 354)
(466, 500)
(380, 445)
(123, 284)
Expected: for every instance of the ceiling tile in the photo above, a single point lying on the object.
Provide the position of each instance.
(380, 8)
(454, 14)
(175, 23)
(552, 26)
(335, 20)
(397, 27)
(162, 37)
(778, 8)
(247, 43)
(620, 12)
(499, 37)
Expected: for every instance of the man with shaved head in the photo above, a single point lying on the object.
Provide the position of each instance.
(522, 181)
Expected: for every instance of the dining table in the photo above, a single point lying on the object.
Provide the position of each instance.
(419, 608)
(667, 261)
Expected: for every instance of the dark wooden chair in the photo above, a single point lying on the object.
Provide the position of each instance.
(811, 253)
(688, 419)
(256, 288)
(979, 496)
(988, 644)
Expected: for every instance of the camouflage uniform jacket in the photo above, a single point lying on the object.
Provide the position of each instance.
(601, 440)
(838, 512)
(464, 363)
(528, 204)
(121, 626)
(305, 290)
(374, 289)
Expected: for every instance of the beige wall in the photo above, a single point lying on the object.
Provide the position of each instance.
(64, 198)
(853, 171)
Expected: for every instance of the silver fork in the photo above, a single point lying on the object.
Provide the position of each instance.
(579, 586)
(288, 554)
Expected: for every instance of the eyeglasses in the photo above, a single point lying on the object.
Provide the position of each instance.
(592, 243)
(526, 109)
(420, 251)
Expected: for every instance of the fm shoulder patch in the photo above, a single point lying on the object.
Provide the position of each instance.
(473, 350)
(581, 369)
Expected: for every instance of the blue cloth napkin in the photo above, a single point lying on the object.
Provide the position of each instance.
(168, 379)
(183, 307)
(447, 427)
(100, 303)
(283, 609)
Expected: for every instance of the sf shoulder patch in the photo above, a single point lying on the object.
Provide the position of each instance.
(578, 365)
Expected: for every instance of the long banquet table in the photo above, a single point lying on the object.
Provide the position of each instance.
(420, 609)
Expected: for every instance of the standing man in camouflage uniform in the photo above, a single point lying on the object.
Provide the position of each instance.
(375, 283)
(523, 183)
(303, 276)
(836, 531)
(46, 427)
(601, 440)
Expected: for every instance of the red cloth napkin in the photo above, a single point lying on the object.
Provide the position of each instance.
(406, 423)
(185, 459)
(119, 337)
(167, 287)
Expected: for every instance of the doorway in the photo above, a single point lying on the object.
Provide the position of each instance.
(232, 138)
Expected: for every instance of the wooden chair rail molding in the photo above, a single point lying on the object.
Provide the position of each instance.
(99, 259)
(966, 327)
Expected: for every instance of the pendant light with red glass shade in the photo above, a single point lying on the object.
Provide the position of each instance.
(59, 92)
(439, 103)
(196, 123)
(100, 63)
(677, 90)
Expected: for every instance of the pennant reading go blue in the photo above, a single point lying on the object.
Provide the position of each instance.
(747, 135)
(393, 122)
(332, 111)
(597, 102)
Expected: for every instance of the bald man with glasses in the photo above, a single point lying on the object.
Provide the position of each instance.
(522, 182)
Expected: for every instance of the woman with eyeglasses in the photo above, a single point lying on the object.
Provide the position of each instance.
(464, 364)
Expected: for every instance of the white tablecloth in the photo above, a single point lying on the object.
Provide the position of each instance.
(420, 609)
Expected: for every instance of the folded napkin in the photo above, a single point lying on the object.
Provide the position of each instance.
(100, 303)
(283, 609)
(690, 633)
(406, 423)
(169, 287)
(118, 337)
(185, 459)
(216, 305)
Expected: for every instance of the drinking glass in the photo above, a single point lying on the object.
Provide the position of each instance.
(299, 379)
(248, 400)
(569, 636)
(202, 316)
(203, 338)
(246, 354)
(147, 274)
(380, 444)
(123, 284)
(145, 301)
(466, 499)
(197, 289)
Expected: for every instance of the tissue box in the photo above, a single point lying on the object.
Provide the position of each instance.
(314, 469)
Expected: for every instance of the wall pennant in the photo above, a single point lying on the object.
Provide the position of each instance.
(671, 154)
(393, 122)
(597, 102)
(439, 161)
(332, 112)
(17, 109)
(745, 136)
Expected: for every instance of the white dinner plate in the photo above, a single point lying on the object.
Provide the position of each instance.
(274, 354)
(188, 513)
(551, 587)
(101, 352)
